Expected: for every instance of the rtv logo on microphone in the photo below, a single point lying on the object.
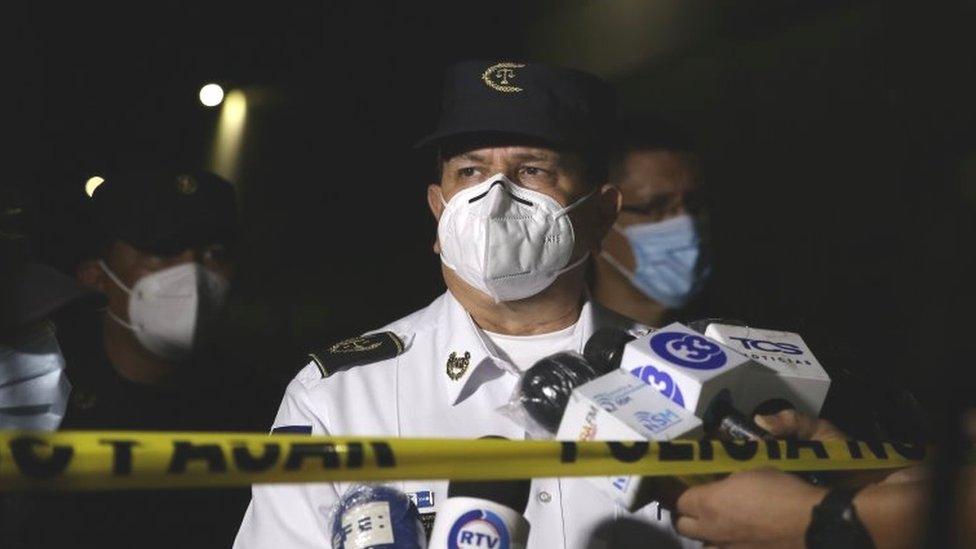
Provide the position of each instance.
(479, 528)
(688, 350)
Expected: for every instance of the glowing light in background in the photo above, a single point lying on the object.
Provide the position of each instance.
(211, 95)
(230, 134)
(92, 184)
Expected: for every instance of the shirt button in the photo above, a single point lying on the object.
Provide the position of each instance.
(545, 497)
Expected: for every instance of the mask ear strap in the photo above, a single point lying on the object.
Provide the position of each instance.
(119, 320)
(617, 265)
(574, 205)
(575, 264)
(113, 277)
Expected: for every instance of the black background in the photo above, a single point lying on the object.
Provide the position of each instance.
(836, 137)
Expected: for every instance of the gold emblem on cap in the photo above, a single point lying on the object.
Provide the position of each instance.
(354, 345)
(499, 76)
(457, 365)
(186, 184)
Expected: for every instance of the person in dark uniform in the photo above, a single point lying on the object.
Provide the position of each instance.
(161, 254)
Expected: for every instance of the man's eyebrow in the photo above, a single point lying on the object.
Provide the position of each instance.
(472, 157)
(528, 156)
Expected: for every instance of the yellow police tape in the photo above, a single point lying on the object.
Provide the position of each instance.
(79, 460)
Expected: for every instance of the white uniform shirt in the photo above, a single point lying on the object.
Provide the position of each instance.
(411, 395)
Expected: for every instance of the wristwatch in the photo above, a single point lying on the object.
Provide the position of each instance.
(835, 524)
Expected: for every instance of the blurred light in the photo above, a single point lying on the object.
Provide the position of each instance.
(93, 183)
(211, 95)
(230, 135)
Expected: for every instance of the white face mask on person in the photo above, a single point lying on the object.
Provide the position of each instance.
(33, 386)
(166, 307)
(507, 241)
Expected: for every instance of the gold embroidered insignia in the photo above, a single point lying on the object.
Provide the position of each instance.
(498, 77)
(457, 365)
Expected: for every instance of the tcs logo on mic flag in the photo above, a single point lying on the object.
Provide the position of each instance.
(688, 350)
(479, 528)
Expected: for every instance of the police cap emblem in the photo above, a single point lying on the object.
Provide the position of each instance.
(186, 184)
(501, 77)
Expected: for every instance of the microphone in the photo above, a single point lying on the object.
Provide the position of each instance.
(485, 514)
(696, 373)
(605, 348)
(620, 407)
(786, 368)
(545, 387)
(376, 517)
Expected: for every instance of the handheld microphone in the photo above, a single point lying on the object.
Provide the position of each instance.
(376, 517)
(786, 368)
(620, 407)
(605, 348)
(694, 372)
(546, 386)
(483, 514)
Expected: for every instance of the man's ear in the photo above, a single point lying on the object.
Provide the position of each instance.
(609, 201)
(91, 274)
(434, 195)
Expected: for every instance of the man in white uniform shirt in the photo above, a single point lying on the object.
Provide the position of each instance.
(522, 203)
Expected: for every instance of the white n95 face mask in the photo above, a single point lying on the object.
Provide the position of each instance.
(33, 386)
(166, 307)
(507, 241)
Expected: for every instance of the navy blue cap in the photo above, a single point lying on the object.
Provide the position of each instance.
(563, 107)
(165, 212)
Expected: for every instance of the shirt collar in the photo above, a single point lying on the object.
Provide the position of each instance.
(473, 358)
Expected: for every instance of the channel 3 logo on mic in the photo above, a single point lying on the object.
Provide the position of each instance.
(660, 381)
(688, 350)
(479, 528)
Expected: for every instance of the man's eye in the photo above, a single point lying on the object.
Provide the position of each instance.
(467, 172)
(533, 171)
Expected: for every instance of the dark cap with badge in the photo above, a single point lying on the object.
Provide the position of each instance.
(559, 106)
(165, 212)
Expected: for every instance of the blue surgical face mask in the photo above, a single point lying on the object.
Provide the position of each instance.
(33, 386)
(671, 266)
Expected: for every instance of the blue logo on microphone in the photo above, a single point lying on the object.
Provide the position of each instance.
(479, 528)
(688, 350)
(660, 381)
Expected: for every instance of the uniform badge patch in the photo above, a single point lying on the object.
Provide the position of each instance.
(457, 365)
(357, 351)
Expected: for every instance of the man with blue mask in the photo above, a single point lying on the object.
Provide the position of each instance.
(655, 260)
(34, 387)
